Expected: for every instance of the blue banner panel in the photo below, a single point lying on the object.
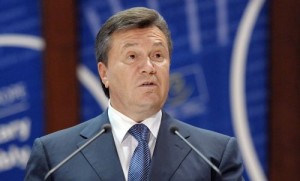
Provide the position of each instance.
(218, 70)
(21, 96)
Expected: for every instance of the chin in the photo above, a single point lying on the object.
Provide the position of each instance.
(150, 99)
(148, 103)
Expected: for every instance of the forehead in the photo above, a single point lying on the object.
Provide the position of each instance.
(137, 35)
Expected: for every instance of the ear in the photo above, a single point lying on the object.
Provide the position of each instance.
(102, 70)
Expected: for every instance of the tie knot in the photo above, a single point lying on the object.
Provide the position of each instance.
(140, 132)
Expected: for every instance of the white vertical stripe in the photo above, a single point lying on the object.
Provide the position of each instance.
(115, 5)
(153, 4)
(222, 22)
(93, 20)
(193, 25)
(237, 93)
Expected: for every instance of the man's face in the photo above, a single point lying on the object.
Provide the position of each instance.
(137, 73)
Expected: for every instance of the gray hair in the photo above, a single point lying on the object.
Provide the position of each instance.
(138, 17)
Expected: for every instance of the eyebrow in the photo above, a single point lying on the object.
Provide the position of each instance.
(129, 45)
(155, 44)
(159, 44)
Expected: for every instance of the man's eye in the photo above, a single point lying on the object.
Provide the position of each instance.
(132, 56)
(157, 55)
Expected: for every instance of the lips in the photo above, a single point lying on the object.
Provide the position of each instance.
(148, 83)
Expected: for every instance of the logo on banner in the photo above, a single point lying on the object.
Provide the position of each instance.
(188, 93)
(13, 99)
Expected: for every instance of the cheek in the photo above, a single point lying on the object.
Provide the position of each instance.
(167, 85)
(113, 80)
(122, 80)
(165, 79)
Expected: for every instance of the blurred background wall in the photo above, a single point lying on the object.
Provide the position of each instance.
(234, 70)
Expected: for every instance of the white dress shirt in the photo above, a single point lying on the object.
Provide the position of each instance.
(125, 142)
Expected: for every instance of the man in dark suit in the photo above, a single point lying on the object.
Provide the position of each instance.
(133, 50)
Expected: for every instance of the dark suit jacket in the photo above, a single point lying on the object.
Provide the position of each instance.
(172, 158)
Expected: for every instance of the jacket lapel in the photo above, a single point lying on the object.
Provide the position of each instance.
(169, 152)
(102, 154)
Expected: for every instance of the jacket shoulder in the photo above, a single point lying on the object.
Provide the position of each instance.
(74, 134)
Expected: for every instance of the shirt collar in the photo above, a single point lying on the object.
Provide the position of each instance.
(121, 124)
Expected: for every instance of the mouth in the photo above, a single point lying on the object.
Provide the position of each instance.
(148, 84)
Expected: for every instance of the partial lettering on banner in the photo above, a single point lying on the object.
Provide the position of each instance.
(18, 129)
(15, 157)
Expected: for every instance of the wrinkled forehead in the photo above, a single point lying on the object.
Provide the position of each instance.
(133, 37)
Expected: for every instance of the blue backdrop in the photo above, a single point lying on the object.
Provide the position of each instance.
(218, 71)
(21, 97)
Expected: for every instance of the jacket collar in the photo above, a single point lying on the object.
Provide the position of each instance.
(169, 151)
(102, 154)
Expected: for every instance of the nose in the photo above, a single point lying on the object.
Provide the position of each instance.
(148, 67)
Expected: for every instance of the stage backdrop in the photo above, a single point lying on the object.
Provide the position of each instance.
(21, 97)
(218, 71)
